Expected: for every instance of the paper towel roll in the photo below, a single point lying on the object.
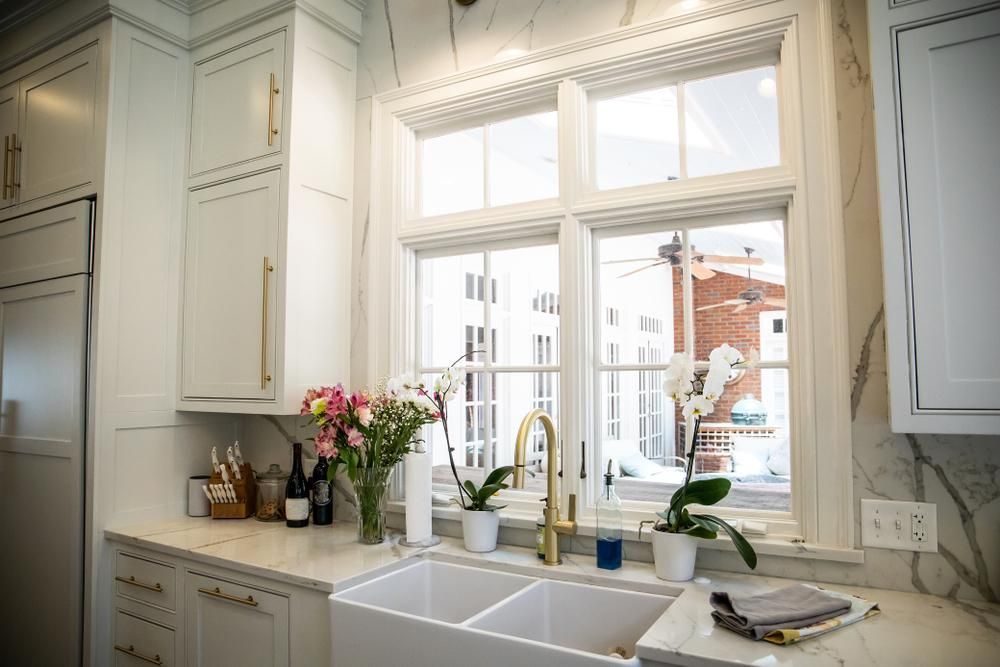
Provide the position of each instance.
(418, 497)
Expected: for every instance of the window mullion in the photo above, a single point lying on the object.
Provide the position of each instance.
(488, 363)
(486, 166)
(681, 132)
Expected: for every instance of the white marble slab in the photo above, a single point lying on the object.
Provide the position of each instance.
(913, 629)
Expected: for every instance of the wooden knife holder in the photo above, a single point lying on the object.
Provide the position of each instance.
(246, 495)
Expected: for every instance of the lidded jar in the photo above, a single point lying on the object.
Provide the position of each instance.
(271, 494)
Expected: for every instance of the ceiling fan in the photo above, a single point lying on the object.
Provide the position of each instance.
(749, 296)
(671, 254)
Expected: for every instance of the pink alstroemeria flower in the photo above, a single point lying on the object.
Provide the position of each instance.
(354, 438)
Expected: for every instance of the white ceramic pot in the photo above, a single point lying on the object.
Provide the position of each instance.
(674, 555)
(479, 530)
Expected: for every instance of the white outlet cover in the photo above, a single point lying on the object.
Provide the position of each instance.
(888, 524)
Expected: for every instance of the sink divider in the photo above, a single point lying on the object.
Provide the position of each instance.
(524, 591)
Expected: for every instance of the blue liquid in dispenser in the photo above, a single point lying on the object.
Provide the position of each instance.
(609, 553)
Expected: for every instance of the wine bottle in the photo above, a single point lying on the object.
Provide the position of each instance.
(297, 492)
(322, 494)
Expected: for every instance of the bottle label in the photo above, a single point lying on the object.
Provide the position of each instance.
(296, 509)
(321, 492)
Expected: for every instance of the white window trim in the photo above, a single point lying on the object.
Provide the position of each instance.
(798, 30)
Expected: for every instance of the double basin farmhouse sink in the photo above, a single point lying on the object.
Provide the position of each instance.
(432, 613)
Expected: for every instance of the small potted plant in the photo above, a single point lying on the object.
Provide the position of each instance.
(675, 535)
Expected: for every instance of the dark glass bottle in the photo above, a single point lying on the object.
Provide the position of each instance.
(297, 492)
(322, 494)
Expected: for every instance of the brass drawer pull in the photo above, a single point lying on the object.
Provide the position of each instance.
(157, 588)
(272, 90)
(14, 150)
(216, 593)
(264, 377)
(130, 650)
(7, 152)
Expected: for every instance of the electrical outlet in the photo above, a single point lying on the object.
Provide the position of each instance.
(893, 524)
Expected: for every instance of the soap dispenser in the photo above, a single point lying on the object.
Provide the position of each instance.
(609, 525)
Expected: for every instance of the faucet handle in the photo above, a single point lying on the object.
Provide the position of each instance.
(572, 508)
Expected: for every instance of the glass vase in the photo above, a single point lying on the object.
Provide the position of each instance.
(370, 488)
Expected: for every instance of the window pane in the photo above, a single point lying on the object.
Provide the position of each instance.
(732, 307)
(745, 442)
(642, 316)
(467, 430)
(526, 314)
(731, 122)
(636, 139)
(451, 172)
(523, 159)
(453, 316)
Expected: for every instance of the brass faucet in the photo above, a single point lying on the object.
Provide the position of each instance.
(553, 525)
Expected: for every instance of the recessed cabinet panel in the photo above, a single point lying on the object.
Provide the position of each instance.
(8, 134)
(231, 270)
(230, 624)
(949, 99)
(58, 106)
(139, 642)
(238, 100)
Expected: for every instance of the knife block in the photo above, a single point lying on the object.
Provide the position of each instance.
(246, 495)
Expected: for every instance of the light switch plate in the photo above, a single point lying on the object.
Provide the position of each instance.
(893, 524)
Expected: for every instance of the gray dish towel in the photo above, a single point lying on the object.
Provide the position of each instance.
(793, 607)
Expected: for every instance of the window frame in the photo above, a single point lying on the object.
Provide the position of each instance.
(797, 35)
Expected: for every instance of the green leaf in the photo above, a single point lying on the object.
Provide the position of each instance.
(740, 542)
(471, 488)
(487, 491)
(700, 531)
(707, 491)
(352, 466)
(498, 475)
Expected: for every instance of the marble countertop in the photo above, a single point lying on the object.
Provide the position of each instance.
(912, 629)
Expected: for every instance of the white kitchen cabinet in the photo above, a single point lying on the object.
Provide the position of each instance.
(57, 118)
(936, 99)
(139, 642)
(8, 132)
(231, 268)
(238, 104)
(232, 624)
(256, 334)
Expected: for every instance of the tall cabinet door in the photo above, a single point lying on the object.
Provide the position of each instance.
(237, 108)
(42, 397)
(58, 115)
(8, 134)
(950, 108)
(229, 289)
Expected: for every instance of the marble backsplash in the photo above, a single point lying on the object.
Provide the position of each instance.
(406, 42)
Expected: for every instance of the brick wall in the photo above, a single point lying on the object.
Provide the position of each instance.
(721, 325)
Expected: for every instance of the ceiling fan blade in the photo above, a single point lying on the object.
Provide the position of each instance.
(715, 305)
(643, 268)
(636, 259)
(700, 271)
(723, 259)
(740, 307)
(734, 302)
(780, 303)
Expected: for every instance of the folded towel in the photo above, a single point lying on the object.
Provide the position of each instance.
(797, 606)
(759, 617)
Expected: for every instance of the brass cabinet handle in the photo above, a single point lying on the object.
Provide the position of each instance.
(157, 588)
(130, 650)
(14, 150)
(216, 593)
(272, 90)
(264, 377)
(6, 160)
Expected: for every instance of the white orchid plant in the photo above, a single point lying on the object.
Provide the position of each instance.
(696, 391)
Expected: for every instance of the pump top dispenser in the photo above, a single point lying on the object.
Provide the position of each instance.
(609, 525)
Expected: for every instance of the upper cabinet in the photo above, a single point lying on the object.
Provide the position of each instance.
(938, 138)
(238, 104)
(266, 310)
(8, 129)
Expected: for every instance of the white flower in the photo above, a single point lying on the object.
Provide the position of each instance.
(699, 406)
(725, 353)
(713, 390)
(681, 367)
(449, 382)
(677, 389)
(318, 406)
(403, 388)
(365, 415)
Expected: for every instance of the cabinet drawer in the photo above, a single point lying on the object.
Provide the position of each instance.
(140, 643)
(146, 581)
(45, 245)
(228, 623)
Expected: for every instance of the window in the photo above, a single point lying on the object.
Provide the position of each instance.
(498, 163)
(729, 123)
(512, 370)
(671, 161)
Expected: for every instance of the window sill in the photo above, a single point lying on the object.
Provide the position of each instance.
(765, 546)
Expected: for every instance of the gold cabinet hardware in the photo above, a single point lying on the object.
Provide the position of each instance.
(264, 377)
(157, 588)
(6, 161)
(216, 593)
(14, 150)
(130, 650)
(272, 90)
